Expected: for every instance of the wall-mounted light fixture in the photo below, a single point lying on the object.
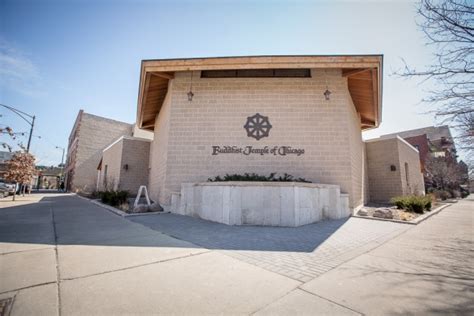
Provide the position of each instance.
(190, 93)
(326, 93)
(125, 166)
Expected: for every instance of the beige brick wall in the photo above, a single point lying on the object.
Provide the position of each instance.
(135, 153)
(329, 131)
(94, 134)
(384, 183)
(111, 163)
(409, 155)
(159, 154)
(357, 156)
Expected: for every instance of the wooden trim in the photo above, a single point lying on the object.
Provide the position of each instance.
(375, 95)
(248, 60)
(165, 75)
(146, 84)
(148, 125)
(347, 73)
(351, 66)
(327, 65)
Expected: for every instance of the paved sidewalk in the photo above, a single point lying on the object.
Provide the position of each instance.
(301, 253)
(426, 270)
(65, 256)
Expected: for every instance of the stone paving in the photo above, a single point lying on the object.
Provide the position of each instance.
(301, 253)
(62, 255)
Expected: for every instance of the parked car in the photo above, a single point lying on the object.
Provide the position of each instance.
(4, 191)
(9, 187)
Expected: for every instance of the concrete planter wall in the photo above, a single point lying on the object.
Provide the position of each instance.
(261, 203)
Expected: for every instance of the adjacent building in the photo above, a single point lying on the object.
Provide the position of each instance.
(435, 141)
(124, 164)
(393, 169)
(89, 136)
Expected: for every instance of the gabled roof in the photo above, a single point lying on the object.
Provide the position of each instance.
(363, 72)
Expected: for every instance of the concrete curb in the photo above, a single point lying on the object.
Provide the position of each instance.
(423, 217)
(416, 221)
(116, 211)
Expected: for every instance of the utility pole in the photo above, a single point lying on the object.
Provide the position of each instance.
(62, 178)
(31, 134)
(62, 158)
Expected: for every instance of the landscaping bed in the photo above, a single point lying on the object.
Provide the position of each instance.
(388, 212)
(402, 209)
(120, 203)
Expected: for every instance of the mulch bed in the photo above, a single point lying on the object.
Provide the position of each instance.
(400, 215)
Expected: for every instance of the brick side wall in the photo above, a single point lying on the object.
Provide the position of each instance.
(159, 154)
(298, 112)
(135, 154)
(421, 143)
(95, 133)
(384, 183)
(357, 155)
(415, 184)
(112, 161)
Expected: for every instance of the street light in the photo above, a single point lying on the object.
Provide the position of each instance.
(22, 115)
(62, 158)
(62, 166)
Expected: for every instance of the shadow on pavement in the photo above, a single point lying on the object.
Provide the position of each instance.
(78, 222)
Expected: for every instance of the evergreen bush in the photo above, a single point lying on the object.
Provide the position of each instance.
(113, 198)
(255, 177)
(413, 203)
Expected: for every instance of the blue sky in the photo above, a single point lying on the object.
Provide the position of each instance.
(57, 57)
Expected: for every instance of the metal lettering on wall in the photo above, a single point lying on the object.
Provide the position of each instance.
(251, 150)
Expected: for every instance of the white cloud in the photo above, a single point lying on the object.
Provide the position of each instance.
(17, 72)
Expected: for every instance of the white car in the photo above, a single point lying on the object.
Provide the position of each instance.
(9, 187)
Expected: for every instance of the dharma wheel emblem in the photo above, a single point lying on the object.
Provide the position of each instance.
(258, 126)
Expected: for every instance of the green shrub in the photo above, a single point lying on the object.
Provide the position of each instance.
(413, 203)
(399, 202)
(255, 177)
(113, 198)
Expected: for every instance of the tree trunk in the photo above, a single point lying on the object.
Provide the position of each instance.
(14, 193)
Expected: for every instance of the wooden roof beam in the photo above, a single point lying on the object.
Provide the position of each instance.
(165, 75)
(366, 122)
(352, 72)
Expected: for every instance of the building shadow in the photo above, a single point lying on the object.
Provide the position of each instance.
(69, 220)
(214, 235)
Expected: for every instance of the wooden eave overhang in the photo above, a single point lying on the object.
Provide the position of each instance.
(363, 73)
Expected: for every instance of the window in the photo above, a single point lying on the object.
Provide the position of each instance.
(407, 174)
(105, 176)
(257, 73)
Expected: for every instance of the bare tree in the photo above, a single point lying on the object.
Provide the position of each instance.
(8, 131)
(449, 27)
(442, 173)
